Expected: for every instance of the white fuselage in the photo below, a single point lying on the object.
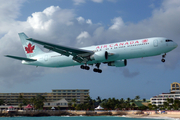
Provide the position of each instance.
(120, 50)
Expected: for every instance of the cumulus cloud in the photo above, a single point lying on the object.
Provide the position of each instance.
(82, 37)
(78, 2)
(117, 23)
(98, 1)
(9, 11)
(80, 20)
(89, 21)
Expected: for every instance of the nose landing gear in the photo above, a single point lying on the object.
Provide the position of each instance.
(163, 56)
(97, 69)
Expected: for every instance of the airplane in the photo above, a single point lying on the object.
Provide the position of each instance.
(113, 54)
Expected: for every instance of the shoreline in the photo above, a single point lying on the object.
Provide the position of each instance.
(130, 113)
(173, 116)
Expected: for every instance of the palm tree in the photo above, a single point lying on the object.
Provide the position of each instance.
(166, 105)
(121, 100)
(32, 100)
(98, 99)
(74, 101)
(176, 104)
(69, 104)
(38, 101)
(20, 98)
(20, 106)
(150, 106)
(2, 102)
(137, 97)
(128, 100)
(133, 105)
(132, 100)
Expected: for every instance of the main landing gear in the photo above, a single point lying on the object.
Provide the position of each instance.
(97, 69)
(84, 67)
(163, 56)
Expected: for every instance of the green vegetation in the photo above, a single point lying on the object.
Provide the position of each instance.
(111, 104)
(37, 102)
(128, 104)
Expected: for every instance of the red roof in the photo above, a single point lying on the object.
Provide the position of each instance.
(28, 106)
(10, 107)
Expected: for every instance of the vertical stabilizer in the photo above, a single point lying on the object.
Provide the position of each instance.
(29, 47)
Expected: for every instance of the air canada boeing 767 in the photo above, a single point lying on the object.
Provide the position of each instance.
(113, 54)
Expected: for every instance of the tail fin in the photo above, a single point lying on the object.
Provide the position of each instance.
(29, 47)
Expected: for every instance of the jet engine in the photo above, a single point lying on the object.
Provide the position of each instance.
(118, 63)
(99, 56)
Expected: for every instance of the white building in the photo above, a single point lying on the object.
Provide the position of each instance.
(161, 98)
(60, 103)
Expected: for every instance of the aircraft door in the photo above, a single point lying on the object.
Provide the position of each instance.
(155, 43)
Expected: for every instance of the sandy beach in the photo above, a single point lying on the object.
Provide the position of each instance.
(154, 115)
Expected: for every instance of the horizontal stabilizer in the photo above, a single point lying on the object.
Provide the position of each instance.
(21, 58)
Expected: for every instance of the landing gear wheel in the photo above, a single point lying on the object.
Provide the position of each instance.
(82, 67)
(97, 70)
(87, 67)
(163, 60)
(163, 56)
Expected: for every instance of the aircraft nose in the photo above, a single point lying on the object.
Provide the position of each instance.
(175, 44)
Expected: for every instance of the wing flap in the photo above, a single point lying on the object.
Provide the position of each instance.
(63, 52)
(21, 58)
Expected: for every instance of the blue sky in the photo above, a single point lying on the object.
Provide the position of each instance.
(81, 23)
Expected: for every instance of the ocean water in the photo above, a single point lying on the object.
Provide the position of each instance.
(81, 118)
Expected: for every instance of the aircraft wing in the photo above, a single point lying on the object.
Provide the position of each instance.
(21, 58)
(79, 55)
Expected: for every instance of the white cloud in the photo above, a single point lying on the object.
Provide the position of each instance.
(117, 23)
(82, 38)
(89, 21)
(78, 2)
(9, 10)
(98, 1)
(84, 34)
(43, 20)
(80, 20)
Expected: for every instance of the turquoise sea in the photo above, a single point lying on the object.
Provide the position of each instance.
(81, 118)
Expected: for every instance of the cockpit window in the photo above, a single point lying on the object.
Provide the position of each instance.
(168, 40)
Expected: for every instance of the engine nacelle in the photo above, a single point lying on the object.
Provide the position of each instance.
(118, 63)
(99, 56)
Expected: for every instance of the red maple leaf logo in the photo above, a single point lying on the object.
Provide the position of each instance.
(30, 48)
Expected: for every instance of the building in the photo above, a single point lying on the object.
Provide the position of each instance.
(175, 87)
(161, 98)
(60, 103)
(80, 95)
